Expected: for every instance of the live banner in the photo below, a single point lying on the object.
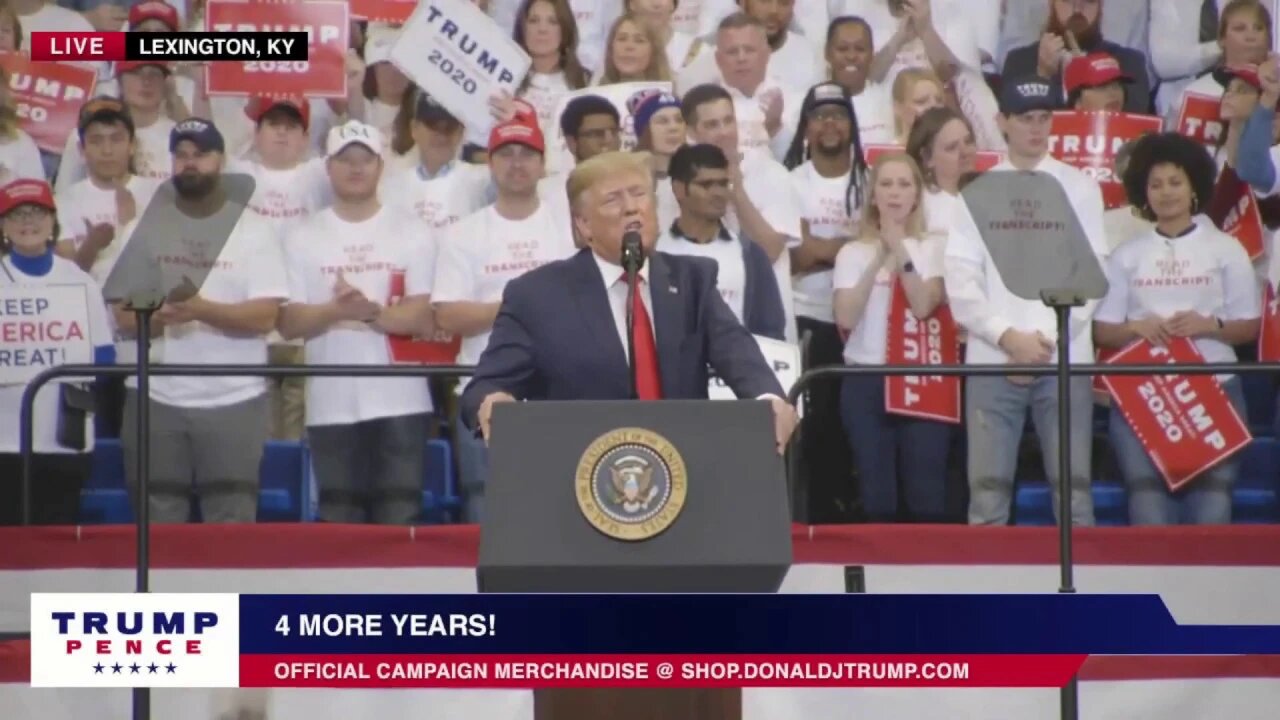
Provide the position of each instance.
(1269, 333)
(461, 57)
(42, 326)
(783, 357)
(1199, 119)
(624, 96)
(324, 75)
(47, 97)
(439, 349)
(1186, 423)
(1244, 221)
(1089, 142)
(383, 11)
(912, 341)
(983, 160)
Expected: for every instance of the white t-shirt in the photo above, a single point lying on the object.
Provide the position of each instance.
(823, 205)
(981, 302)
(84, 203)
(250, 267)
(485, 251)
(20, 159)
(543, 93)
(284, 197)
(366, 254)
(442, 200)
(726, 250)
(939, 209)
(873, 108)
(45, 420)
(866, 343)
(680, 49)
(151, 161)
(768, 185)
(1205, 271)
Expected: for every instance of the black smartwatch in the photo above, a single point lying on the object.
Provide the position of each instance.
(908, 267)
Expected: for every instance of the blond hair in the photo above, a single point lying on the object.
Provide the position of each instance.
(869, 225)
(903, 85)
(588, 173)
(658, 69)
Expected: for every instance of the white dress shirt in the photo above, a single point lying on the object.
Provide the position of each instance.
(615, 285)
(983, 304)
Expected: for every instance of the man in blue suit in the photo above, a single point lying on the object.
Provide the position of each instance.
(561, 331)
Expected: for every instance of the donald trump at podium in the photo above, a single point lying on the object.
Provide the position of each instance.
(561, 331)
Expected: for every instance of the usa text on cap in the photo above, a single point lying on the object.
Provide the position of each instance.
(353, 132)
(1026, 94)
(199, 131)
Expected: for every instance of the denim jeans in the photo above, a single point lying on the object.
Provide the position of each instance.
(1206, 500)
(892, 452)
(473, 470)
(995, 416)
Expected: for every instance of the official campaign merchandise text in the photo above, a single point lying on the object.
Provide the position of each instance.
(534, 641)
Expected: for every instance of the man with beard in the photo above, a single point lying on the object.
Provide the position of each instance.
(700, 181)
(367, 435)
(207, 432)
(1075, 28)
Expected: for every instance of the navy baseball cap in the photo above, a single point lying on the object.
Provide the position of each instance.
(1026, 94)
(428, 110)
(199, 131)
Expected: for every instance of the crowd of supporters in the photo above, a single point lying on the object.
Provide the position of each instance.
(815, 149)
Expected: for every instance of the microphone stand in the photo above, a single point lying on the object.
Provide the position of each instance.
(632, 260)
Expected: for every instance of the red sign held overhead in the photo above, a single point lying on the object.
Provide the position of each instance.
(385, 11)
(1186, 423)
(1089, 141)
(1244, 221)
(1199, 119)
(327, 25)
(47, 97)
(912, 341)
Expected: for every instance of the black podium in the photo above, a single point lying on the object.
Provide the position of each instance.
(635, 497)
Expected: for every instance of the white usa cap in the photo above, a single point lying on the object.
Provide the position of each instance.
(353, 133)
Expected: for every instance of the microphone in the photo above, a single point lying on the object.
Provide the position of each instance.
(632, 261)
(632, 252)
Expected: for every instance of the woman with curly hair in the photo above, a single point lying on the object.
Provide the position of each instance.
(1182, 279)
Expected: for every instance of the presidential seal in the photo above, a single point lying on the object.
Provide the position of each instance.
(631, 484)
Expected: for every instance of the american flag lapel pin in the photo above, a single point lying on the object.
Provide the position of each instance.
(674, 290)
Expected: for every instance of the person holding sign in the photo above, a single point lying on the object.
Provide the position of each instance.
(51, 313)
(1244, 38)
(1006, 329)
(1184, 279)
(892, 254)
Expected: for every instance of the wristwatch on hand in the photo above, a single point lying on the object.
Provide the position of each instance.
(908, 267)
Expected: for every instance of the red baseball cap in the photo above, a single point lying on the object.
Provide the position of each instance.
(26, 192)
(125, 66)
(522, 129)
(1092, 70)
(259, 106)
(1247, 73)
(154, 10)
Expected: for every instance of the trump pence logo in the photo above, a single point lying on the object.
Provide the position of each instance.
(134, 640)
(631, 484)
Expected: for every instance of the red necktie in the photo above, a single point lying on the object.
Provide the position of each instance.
(648, 386)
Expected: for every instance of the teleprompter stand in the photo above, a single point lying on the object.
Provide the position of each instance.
(733, 534)
(167, 256)
(1042, 253)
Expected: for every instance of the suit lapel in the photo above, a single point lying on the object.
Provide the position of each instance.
(593, 304)
(668, 322)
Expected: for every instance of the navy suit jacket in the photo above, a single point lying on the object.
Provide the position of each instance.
(555, 337)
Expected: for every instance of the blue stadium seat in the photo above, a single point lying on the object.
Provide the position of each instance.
(1110, 504)
(1256, 498)
(105, 497)
(439, 488)
(1033, 503)
(283, 473)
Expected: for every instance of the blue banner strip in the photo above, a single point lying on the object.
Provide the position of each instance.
(855, 623)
